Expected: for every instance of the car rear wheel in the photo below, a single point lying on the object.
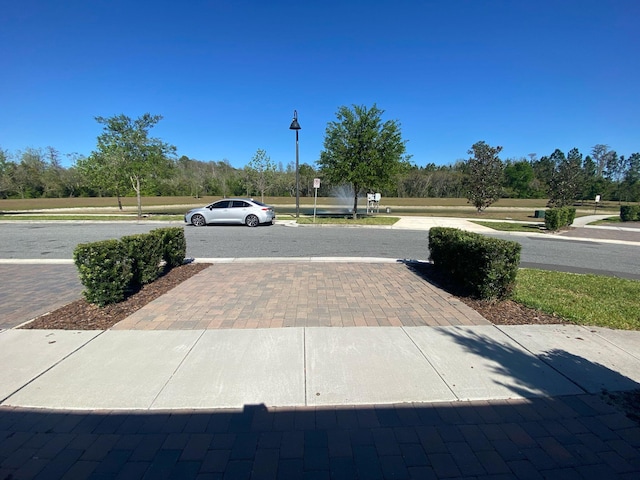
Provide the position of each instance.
(252, 221)
(198, 220)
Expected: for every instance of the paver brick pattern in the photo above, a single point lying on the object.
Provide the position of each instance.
(274, 295)
(564, 437)
(28, 291)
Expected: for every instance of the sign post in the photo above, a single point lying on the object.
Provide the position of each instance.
(316, 186)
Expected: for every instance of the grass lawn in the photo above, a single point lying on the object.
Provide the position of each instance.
(583, 299)
(607, 221)
(93, 218)
(348, 221)
(511, 226)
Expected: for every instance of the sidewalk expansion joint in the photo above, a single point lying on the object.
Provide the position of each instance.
(430, 363)
(543, 360)
(2, 400)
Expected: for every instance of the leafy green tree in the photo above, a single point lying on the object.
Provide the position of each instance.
(7, 172)
(260, 172)
(363, 151)
(631, 180)
(484, 173)
(518, 177)
(29, 173)
(127, 152)
(103, 175)
(568, 178)
(599, 154)
(543, 169)
(307, 174)
(53, 177)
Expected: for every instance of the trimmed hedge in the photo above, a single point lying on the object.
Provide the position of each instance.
(145, 252)
(105, 271)
(485, 267)
(630, 213)
(111, 269)
(174, 244)
(557, 218)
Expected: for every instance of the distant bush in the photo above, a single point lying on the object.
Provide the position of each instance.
(630, 213)
(485, 267)
(557, 218)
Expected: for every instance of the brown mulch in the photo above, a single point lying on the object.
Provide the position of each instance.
(82, 315)
(508, 312)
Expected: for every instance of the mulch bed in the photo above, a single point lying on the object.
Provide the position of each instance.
(82, 315)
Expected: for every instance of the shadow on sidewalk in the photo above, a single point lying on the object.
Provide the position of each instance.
(509, 360)
(550, 437)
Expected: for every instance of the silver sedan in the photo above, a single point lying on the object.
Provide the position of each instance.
(232, 210)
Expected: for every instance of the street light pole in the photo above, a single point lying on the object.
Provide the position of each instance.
(296, 126)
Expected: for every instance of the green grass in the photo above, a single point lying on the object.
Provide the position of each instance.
(511, 226)
(583, 299)
(607, 221)
(348, 221)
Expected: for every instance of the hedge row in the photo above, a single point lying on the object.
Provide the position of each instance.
(111, 269)
(485, 267)
(630, 213)
(557, 218)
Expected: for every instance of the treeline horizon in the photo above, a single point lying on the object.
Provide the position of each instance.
(39, 173)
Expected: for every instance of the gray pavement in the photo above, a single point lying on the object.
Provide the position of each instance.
(314, 366)
(462, 399)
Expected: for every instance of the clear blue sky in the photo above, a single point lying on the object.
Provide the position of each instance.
(226, 76)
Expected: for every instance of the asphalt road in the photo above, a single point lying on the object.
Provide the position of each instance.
(57, 241)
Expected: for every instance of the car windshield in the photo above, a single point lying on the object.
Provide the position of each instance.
(258, 203)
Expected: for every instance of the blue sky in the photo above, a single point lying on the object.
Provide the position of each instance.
(530, 75)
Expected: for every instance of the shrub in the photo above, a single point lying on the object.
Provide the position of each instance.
(145, 253)
(112, 268)
(485, 267)
(105, 271)
(174, 244)
(630, 213)
(557, 218)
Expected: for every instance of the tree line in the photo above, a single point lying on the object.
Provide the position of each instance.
(128, 161)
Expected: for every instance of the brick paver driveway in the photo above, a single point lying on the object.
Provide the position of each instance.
(299, 294)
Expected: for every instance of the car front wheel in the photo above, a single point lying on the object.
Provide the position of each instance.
(252, 221)
(198, 221)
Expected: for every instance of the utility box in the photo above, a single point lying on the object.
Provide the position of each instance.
(539, 214)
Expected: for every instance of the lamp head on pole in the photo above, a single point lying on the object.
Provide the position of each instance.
(294, 124)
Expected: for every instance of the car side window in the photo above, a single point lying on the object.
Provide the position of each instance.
(221, 204)
(239, 204)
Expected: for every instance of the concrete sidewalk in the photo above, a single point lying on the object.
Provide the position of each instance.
(290, 367)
